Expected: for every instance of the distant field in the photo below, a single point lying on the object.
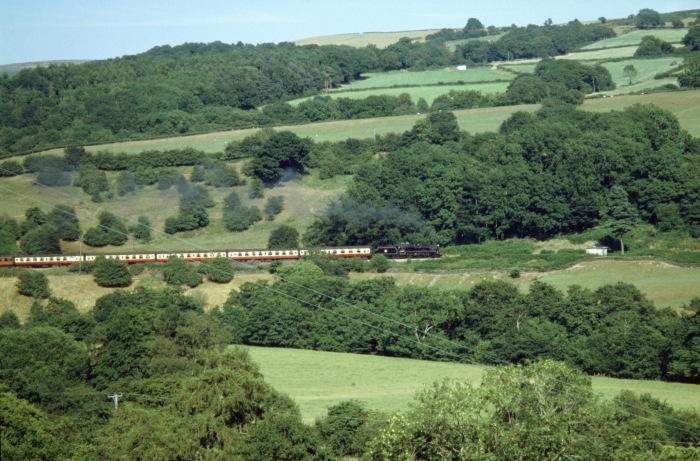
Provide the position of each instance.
(429, 93)
(646, 70)
(684, 104)
(317, 380)
(83, 291)
(362, 39)
(599, 55)
(429, 77)
(665, 285)
(635, 38)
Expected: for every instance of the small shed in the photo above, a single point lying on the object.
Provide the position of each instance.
(462, 67)
(599, 250)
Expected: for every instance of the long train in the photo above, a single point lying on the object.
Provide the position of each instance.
(391, 251)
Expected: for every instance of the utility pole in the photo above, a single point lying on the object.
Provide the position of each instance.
(116, 398)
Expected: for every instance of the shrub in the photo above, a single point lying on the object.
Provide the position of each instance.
(33, 283)
(283, 237)
(111, 273)
(218, 270)
(379, 263)
(179, 272)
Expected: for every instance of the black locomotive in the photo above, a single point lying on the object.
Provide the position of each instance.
(408, 250)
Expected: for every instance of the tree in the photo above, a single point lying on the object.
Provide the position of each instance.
(273, 207)
(41, 241)
(692, 39)
(177, 271)
(110, 231)
(33, 283)
(653, 46)
(345, 428)
(379, 263)
(110, 272)
(622, 214)
(142, 229)
(65, 220)
(545, 411)
(218, 270)
(282, 151)
(629, 72)
(34, 217)
(283, 236)
(648, 19)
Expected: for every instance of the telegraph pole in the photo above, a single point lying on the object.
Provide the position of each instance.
(116, 398)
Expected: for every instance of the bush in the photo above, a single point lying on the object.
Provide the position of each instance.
(218, 270)
(33, 283)
(273, 207)
(379, 263)
(283, 237)
(111, 273)
(179, 272)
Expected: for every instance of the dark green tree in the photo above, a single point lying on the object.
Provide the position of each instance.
(33, 283)
(218, 270)
(283, 151)
(41, 241)
(273, 207)
(110, 231)
(691, 40)
(110, 272)
(648, 19)
(629, 72)
(34, 217)
(64, 219)
(9, 319)
(142, 229)
(622, 214)
(283, 236)
(177, 271)
(379, 263)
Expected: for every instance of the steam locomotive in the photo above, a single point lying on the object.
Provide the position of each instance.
(393, 252)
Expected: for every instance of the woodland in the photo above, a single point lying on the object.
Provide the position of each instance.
(148, 373)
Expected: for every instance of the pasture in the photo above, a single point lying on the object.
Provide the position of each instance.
(635, 38)
(317, 380)
(664, 284)
(684, 104)
(363, 39)
(428, 77)
(646, 70)
(427, 92)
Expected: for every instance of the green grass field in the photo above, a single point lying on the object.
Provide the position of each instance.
(362, 39)
(635, 38)
(664, 284)
(317, 380)
(646, 70)
(429, 92)
(428, 77)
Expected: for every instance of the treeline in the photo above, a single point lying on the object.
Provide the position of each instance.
(559, 170)
(194, 88)
(613, 330)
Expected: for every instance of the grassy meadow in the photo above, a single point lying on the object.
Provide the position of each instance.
(664, 284)
(363, 39)
(428, 77)
(634, 37)
(317, 380)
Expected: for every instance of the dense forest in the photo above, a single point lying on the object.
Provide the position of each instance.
(557, 171)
